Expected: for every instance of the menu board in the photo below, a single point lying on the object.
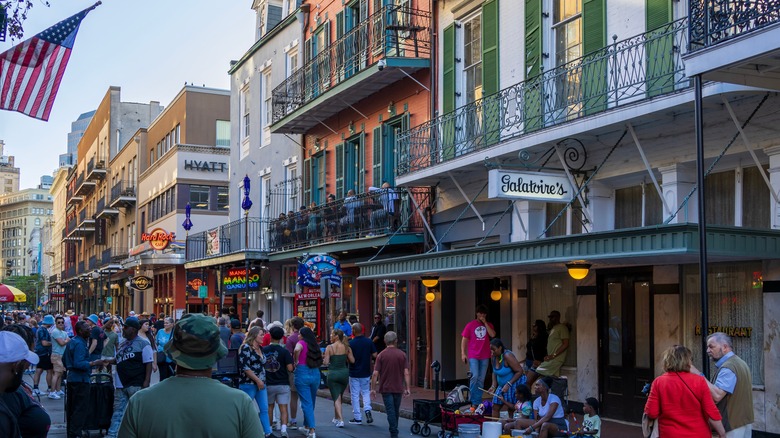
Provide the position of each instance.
(307, 306)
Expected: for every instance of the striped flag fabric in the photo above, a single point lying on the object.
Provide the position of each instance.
(31, 72)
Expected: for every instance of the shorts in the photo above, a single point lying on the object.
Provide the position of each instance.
(44, 362)
(56, 362)
(278, 394)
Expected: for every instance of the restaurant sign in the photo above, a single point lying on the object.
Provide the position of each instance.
(734, 332)
(158, 238)
(236, 280)
(141, 282)
(533, 186)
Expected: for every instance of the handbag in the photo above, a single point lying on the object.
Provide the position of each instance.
(649, 427)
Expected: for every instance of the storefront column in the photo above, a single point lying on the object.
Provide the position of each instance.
(520, 325)
(587, 338)
(774, 178)
(528, 221)
(677, 181)
(770, 406)
(601, 207)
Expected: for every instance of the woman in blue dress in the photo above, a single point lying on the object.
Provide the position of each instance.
(507, 374)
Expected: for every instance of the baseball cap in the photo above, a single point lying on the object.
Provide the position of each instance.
(196, 344)
(234, 323)
(13, 349)
(133, 322)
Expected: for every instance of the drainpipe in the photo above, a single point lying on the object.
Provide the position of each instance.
(699, 122)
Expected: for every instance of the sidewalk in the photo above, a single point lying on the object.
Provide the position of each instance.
(324, 412)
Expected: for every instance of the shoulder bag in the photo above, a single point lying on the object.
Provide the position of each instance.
(649, 426)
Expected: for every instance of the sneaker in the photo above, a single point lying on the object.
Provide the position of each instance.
(61, 393)
(369, 417)
(271, 435)
(284, 434)
(311, 435)
(54, 396)
(334, 421)
(36, 391)
(354, 421)
(340, 423)
(293, 425)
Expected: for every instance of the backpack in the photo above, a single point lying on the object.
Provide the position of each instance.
(459, 395)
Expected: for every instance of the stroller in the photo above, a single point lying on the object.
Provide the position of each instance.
(430, 411)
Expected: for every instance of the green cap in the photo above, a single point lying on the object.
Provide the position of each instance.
(196, 344)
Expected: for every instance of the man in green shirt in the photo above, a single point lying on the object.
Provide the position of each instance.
(191, 403)
(557, 346)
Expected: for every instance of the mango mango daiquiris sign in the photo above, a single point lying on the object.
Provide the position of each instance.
(534, 186)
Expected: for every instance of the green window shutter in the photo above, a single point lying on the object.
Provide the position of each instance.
(339, 24)
(340, 170)
(376, 168)
(533, 89)
(660, 50)
(307, 180)
(491, 115)
(594, 71)
(490, 65)
(448, 94)
(533, 38)
(361, 170)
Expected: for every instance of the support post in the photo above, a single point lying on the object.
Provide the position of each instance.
(703, 289)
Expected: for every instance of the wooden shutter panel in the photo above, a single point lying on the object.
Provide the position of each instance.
(594, 73)
(533, 90)
(376, 168)
(491, 115)
(307, 181)
(660, 50)
(340, 170)
(361, 160)
(448, 94)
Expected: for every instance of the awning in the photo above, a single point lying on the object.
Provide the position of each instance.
(660, 245)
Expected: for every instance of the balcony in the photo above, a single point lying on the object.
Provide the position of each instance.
(101, 211)
(92, 263)
(379, 214)
(80, 269)
(113, 256)
(70, 272)
(96, 169)
(629, 71)
(73, 199)
(245, 234)
(122, 195)
(735, 42)
(86, 219)
(348, 70)
(83, 185)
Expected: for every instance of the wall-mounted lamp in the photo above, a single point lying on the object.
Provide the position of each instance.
(578, 270)
(391, 108)
(430, 296)
(430, 280)
(495, 295)
(351, 127)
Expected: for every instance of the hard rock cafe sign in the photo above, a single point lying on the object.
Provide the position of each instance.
(141, 282)
(158, 238)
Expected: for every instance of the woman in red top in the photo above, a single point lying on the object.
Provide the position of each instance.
(680, 401)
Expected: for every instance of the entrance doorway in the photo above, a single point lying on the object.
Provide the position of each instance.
(626, 342)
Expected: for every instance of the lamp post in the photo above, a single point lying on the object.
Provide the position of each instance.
(246, 204)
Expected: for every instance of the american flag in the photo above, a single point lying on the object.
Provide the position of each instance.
(31, 72)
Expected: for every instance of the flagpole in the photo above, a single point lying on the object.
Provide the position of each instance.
(95, 5)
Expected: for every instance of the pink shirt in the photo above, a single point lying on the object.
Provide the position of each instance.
(479, 340)
(304, 352)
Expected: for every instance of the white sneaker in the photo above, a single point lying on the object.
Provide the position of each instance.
(340, 423)
(334, 421)
(36, 391)
(61, 393)
(54, 396)
(311, 435)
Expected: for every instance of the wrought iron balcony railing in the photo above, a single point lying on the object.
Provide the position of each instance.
(393, 31)
(80, 269)
(92, 262)
(640, 67)
(123, 192)
(378, 213)
(245, 234)
(70, 272)
(113, 255)
(715, 21)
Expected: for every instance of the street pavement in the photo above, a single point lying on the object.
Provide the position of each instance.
(323, 413)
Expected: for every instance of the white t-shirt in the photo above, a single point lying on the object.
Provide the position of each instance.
(551, 398)
(592, 423)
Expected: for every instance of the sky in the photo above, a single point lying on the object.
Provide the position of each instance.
(149, 48)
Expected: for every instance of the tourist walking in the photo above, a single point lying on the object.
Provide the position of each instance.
(308, 359)
(164, 362)
(337, 355)
(391, 379)
(278, 369)
(360, 375)
(251, 372)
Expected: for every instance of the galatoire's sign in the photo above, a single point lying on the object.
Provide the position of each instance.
(159, 239)
(533, 186)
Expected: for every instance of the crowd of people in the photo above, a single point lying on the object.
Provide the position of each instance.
(279, 367)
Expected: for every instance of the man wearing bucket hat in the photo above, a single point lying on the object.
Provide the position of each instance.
(14, 357)
(43, 350)
(175, 406)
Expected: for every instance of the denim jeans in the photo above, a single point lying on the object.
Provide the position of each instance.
(307, 381)
(261, 397)
(359, 386)
(392, 409)
(121, 397)
(478, 369)
(78, 409)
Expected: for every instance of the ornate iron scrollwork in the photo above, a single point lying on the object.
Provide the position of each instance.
(574, 156)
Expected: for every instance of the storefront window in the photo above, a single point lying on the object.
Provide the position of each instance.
(289, 279)
(736, 307)
(556, 292)
(392, 301)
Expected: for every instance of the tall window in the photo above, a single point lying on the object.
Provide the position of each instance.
(267, 98)
(265, 196)
(472, 58)
(291, 174)
(199, 197)
(567, 26)
(244, 103)
(223, 133)
(223, 199)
